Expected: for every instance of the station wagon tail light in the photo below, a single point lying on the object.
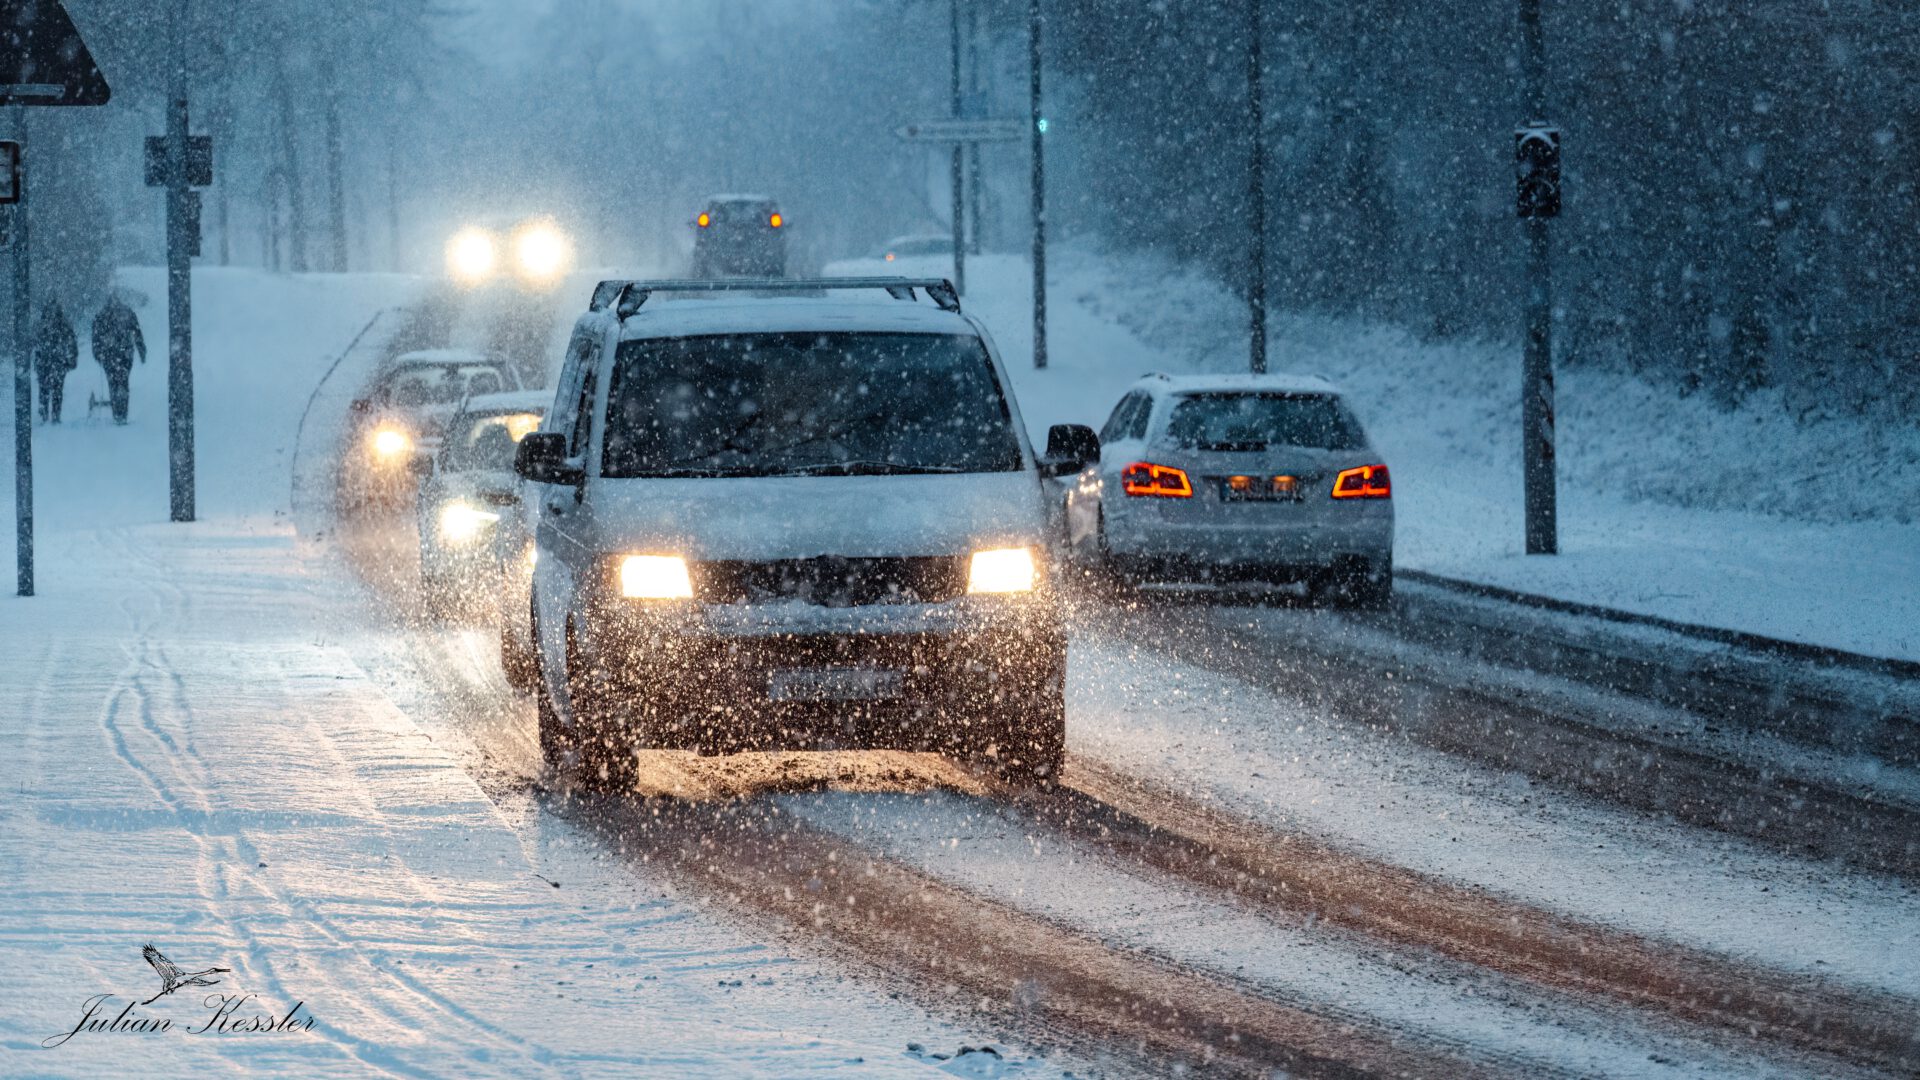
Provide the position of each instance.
(1365, 482)
(703, 220)
(655, 577)
(776, 221)
(1164, 481)
(1002, 570)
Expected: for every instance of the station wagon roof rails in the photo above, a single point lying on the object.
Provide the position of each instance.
(626, 297)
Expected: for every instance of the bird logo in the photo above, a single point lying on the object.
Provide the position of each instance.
(172, 978)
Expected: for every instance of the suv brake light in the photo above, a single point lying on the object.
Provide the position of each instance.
(1365, 482)
(1165, 481)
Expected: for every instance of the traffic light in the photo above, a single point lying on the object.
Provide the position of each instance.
(1536, 162)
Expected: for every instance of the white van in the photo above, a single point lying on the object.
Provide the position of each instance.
(767, 519)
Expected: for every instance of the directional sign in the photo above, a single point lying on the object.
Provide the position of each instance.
(42, 59)
(952, 131)
(199, 160)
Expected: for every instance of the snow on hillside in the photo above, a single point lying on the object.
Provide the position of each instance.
(1665, 507)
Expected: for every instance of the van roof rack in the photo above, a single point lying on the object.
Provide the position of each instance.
(626, 297)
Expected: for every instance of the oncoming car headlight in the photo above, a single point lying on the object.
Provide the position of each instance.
(390, 444)
(460, 523)
(471, 255)
(655, 577)
(1002, 570)
(541, 251)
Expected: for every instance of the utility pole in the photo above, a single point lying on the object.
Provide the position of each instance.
(975, 187)
(1038, 121)
(336, 184)
(1537, 154)
(179, 284)
(1256, 194)
(959, 162)
(22, 363)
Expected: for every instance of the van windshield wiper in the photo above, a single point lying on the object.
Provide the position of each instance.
(868, 468)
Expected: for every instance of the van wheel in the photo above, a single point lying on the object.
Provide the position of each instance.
(1030, 745)
(516, 660)
(606, 748)
(557, 744)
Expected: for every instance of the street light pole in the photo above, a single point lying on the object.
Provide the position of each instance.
(959, 163)
(1256, 195)
(1037, 122)
(1536, 379)
(22, 366)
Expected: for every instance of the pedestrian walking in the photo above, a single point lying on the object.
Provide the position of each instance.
(116, 340)
(55, 353)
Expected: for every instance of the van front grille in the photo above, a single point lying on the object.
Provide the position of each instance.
(833, 581)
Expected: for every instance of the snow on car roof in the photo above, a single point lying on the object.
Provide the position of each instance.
(739, 198)
(1271, 382)
(440, 356)
(680, 318)
(511, 401)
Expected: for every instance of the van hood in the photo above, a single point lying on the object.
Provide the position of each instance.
(801, 517)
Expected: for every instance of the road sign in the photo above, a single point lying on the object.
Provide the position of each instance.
(9, 172)
(199, 160)
(963, 131)
(42, 59)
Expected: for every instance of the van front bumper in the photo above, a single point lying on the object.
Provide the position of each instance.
(723, 677)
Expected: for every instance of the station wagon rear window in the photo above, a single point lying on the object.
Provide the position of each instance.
(1254, 421)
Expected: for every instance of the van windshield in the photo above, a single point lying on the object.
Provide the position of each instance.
(806, 403)
(1242, 421)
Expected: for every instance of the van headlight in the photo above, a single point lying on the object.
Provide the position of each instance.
(461, 524)
(655, 577)
(1002, 570)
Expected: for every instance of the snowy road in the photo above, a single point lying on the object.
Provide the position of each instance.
(1313, 950)
(1288, 839)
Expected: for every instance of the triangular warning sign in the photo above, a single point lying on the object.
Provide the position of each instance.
(42, 59)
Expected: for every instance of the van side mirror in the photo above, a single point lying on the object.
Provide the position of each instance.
(542, 458)
(1070, 448)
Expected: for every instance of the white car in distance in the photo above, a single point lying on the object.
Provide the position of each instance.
(1238, 478)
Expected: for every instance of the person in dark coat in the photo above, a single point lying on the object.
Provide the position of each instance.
(116, 339)
(55, 353)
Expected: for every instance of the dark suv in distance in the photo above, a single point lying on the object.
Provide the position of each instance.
(740, 236)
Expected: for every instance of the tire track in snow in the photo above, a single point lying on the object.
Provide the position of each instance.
(1294, 878)
(232, 849)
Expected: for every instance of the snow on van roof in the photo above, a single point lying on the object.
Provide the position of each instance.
(1271, 382)
(509, 400)
(733, 315)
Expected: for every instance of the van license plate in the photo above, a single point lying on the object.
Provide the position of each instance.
(834, 684)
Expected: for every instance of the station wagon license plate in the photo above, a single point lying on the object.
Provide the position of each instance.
(1260, 489)
(835, 684)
